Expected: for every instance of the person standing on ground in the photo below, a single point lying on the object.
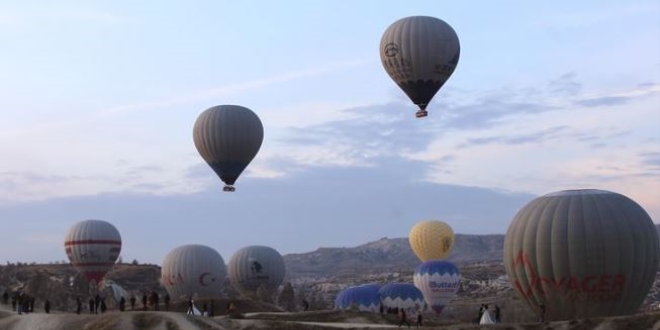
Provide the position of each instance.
(497, 314)
(166, 299)
(404, 319)
(190, 310)
(144, 301)
(47, 306)
(419, 318)
(78, 305)
(132, 300)
(122, 304)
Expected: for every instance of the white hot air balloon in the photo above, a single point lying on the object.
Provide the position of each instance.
(254, 267)
(196, 271)
(93, 247)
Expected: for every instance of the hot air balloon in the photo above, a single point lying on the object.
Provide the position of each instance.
(93, 247)
(402, 296)
(431, 240)
(365, 297)
(228, 137)
(581, 254)
(438, 281)
(255, 268)
(193, 271)
(420, 53)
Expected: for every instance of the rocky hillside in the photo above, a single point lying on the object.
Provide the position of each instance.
(386, 254)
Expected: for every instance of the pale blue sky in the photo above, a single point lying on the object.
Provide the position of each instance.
(98, 99)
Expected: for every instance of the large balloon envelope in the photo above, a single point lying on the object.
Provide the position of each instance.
(254, 267)
(582, 253)
(431, 240)
(365, 297)
(193, 271)
(439, 281)
(420, 53)
(401, 295)
(228, 137)
(93, 247)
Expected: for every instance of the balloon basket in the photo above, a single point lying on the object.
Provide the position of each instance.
(421, 113)
(228, 188)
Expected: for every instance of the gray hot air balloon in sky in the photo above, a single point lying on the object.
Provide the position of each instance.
(253, 267)
(420, 53)
(228, 137)
(193, 271)
(93, 247)
(582, 253)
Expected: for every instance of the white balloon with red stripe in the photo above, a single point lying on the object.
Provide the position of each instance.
(93, 247)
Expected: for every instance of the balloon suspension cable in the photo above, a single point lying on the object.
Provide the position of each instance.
(421, 113)
(228, 188)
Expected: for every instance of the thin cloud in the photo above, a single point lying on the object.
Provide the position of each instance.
(191, 97)
(619, 97)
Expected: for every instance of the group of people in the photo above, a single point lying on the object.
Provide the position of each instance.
(97, 303)
(23, 303)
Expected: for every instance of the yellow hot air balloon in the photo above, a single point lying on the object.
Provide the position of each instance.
(431, 240)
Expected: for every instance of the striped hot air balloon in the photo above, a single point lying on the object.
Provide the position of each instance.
(93, 247)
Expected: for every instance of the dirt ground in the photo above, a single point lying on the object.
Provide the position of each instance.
(317, 320)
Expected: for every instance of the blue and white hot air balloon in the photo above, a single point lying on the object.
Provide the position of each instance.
(364, 297)
(402, 296)
(439, 281)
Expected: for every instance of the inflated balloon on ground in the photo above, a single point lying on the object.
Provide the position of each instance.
(582, 254)
(402, 296)
(196, 271)
(254, 268)
(363, 297)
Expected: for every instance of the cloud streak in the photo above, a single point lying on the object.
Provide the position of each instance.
(188, 98)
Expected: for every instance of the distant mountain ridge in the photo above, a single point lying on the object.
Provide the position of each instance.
(386, 254)
(389, 254)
